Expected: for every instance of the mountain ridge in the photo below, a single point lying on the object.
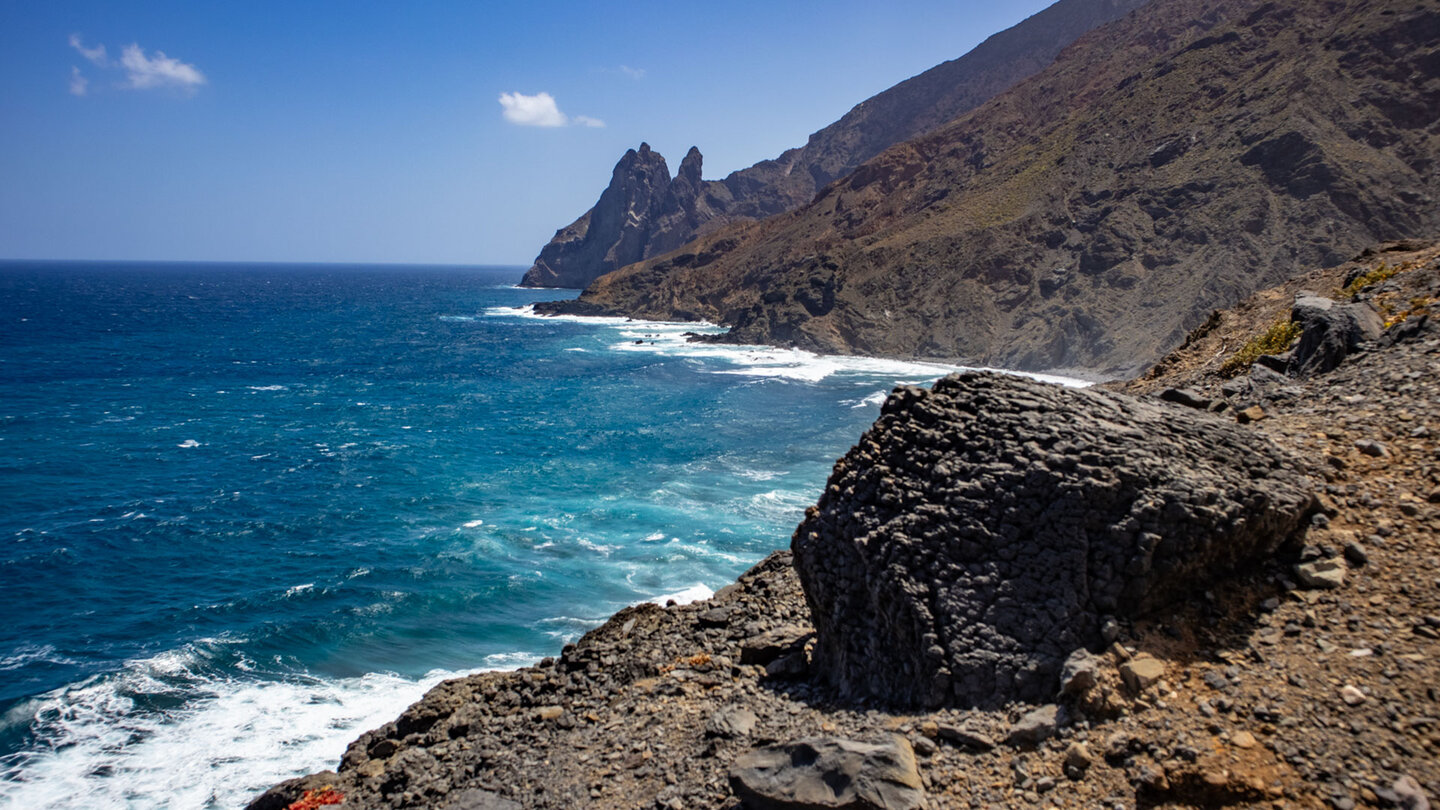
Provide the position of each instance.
(605, 238)
(1166, 164)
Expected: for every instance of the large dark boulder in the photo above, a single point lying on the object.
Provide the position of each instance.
(981, 531)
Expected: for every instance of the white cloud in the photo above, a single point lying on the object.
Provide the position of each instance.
(538, 110)
(634, 73)
(79, 85)
(95, 54)
(144, 72)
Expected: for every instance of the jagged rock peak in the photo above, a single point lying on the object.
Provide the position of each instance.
(690, 166)
(635, 216)
(644, 156)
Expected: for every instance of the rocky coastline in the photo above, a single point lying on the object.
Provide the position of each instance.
(1281, 649)
(1171, 162)
(644, 213)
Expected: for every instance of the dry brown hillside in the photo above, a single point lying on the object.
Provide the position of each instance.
(1167, 164)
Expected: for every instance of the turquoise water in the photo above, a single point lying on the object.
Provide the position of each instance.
(253, 510)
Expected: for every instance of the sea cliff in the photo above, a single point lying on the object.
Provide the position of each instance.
(1291, 662)
(643, 213)
(1166, 164)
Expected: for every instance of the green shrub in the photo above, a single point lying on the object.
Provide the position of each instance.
(1375, 276)
(1274, 340)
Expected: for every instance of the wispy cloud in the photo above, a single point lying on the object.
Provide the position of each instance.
(634, 73)
(142, 72)
(95, 54)
(79, 85)
(540, 110)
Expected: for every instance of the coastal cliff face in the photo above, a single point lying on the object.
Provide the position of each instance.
(1304, 679)
(1167, 164)
(635, 219)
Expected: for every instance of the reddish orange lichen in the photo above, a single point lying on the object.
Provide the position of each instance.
(317, 798)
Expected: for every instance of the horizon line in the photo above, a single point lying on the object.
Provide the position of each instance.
(330, 262)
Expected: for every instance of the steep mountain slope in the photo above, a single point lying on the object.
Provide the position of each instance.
(641, 214)
(1165, 165)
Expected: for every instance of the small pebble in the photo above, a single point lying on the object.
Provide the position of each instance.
(1352, 696)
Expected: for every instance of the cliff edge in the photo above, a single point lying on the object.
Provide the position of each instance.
(1305, 677)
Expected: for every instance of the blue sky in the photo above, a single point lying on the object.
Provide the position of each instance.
(375, 131)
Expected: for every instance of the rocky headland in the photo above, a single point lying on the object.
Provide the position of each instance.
(644, 213)
(1215, 586)
(1167, 163)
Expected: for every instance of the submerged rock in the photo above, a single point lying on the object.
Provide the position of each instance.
(980, 532)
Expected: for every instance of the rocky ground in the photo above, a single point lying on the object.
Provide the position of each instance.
(1311, 680)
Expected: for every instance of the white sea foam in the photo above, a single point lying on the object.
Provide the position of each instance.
(778, 504)
(26, 654)
(266, 387)
(599, 548)
(874, 400)
(694, 593)
(760, 475)
(672, 338)
(473, 524)
(680, 550)
(568, 628)
(231, 737)
(510, 660)
(528, 311)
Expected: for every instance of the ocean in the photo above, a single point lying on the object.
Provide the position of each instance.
(251, 511)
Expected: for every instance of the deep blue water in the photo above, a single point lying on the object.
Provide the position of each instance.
(252, 510)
